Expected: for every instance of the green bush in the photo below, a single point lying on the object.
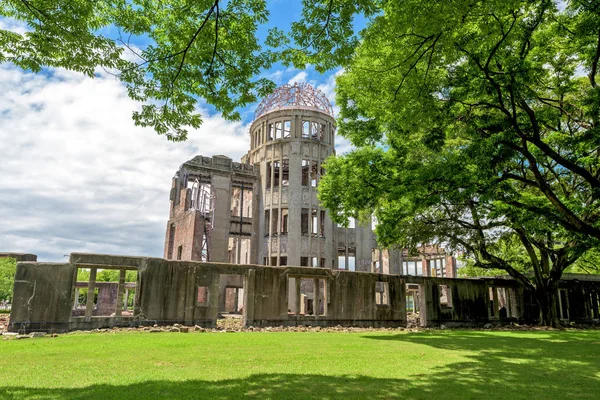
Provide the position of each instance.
(8, 267)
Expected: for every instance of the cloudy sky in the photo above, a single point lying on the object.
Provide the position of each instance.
(77, 175)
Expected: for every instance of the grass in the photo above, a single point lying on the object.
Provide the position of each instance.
(289, 365)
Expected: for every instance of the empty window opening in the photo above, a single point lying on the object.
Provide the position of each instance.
(241, 201)
(314, 225)
(287, 129)
(445, 296)
(341, 258)
(382, 296)
(273, 261)
(309, 296)
(284, 221)
(314, 262)
(322, 224)
(104, 292)
(278, 130)
(267, 220)
(275, 221)
(269, 175)
(305, 172)
(202, 295)
(282, 261)
(285, 172)
(304, 221)
(238, 250)
(304, 261)
(352, 258)
(270, 132)
(313, 173)
(305, 129)
(231, 289)
(502, 303)
(276, 173)
(317, 131)
(322, 264)
(179, 252)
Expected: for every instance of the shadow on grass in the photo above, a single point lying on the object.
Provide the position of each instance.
(509, 365)
(545, 365)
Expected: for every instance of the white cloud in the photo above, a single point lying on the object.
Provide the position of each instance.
(77, 175)
(299, 77)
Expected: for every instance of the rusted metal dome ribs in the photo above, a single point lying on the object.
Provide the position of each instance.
(301, 95)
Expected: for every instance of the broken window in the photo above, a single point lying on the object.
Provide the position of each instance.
(273, 261)
(313, 173)
(445, 296)
(276, 172)
(241, 201)
(284, 221)
(310, 296)
(104, 292)
(304, 261)
(314, 262)
(270, 132)
(382, 296)
(322, 264)
(202, 295)
(275, 221)
(317, 130)
(282, 261)
(352, 258)
(179, 252)
(287, 129)
(239, 250)
(341, 258)
(314, 226)
(285, 173)
(269, 174)
(305, 129)
(305, 172)
(278, 130)
(304, 221)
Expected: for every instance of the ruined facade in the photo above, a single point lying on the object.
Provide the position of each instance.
(264, 210)
(51, 297)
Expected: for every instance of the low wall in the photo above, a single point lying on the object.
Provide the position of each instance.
(168, 292)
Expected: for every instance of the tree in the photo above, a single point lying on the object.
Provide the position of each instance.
(8, 268)
(476, 125)
(197, 49)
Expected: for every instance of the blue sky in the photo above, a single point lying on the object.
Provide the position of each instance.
(77, 175)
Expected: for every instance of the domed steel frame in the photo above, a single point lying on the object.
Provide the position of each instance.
(298, 95)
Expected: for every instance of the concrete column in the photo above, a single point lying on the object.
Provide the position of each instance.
(316, 308)
(76, 300)
(219, 235)
(295, 205)
(120, 290)
(89, 305)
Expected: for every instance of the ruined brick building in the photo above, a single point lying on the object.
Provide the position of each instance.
(264, 209)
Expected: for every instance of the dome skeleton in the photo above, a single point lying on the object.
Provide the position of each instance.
(293, 96)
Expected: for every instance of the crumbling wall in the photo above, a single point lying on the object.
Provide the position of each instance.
(186, 292)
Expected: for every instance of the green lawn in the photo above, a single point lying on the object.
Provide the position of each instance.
(258, 365)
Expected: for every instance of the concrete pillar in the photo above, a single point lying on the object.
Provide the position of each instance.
(219, 235)
(89, 305)
(120, 290)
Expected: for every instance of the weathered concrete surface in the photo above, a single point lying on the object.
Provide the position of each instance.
(185, 292)
(19, 256)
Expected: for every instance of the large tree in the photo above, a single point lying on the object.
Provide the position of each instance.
(193, 49)
(477, 124)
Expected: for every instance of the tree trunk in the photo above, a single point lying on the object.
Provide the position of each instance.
(547, 298)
